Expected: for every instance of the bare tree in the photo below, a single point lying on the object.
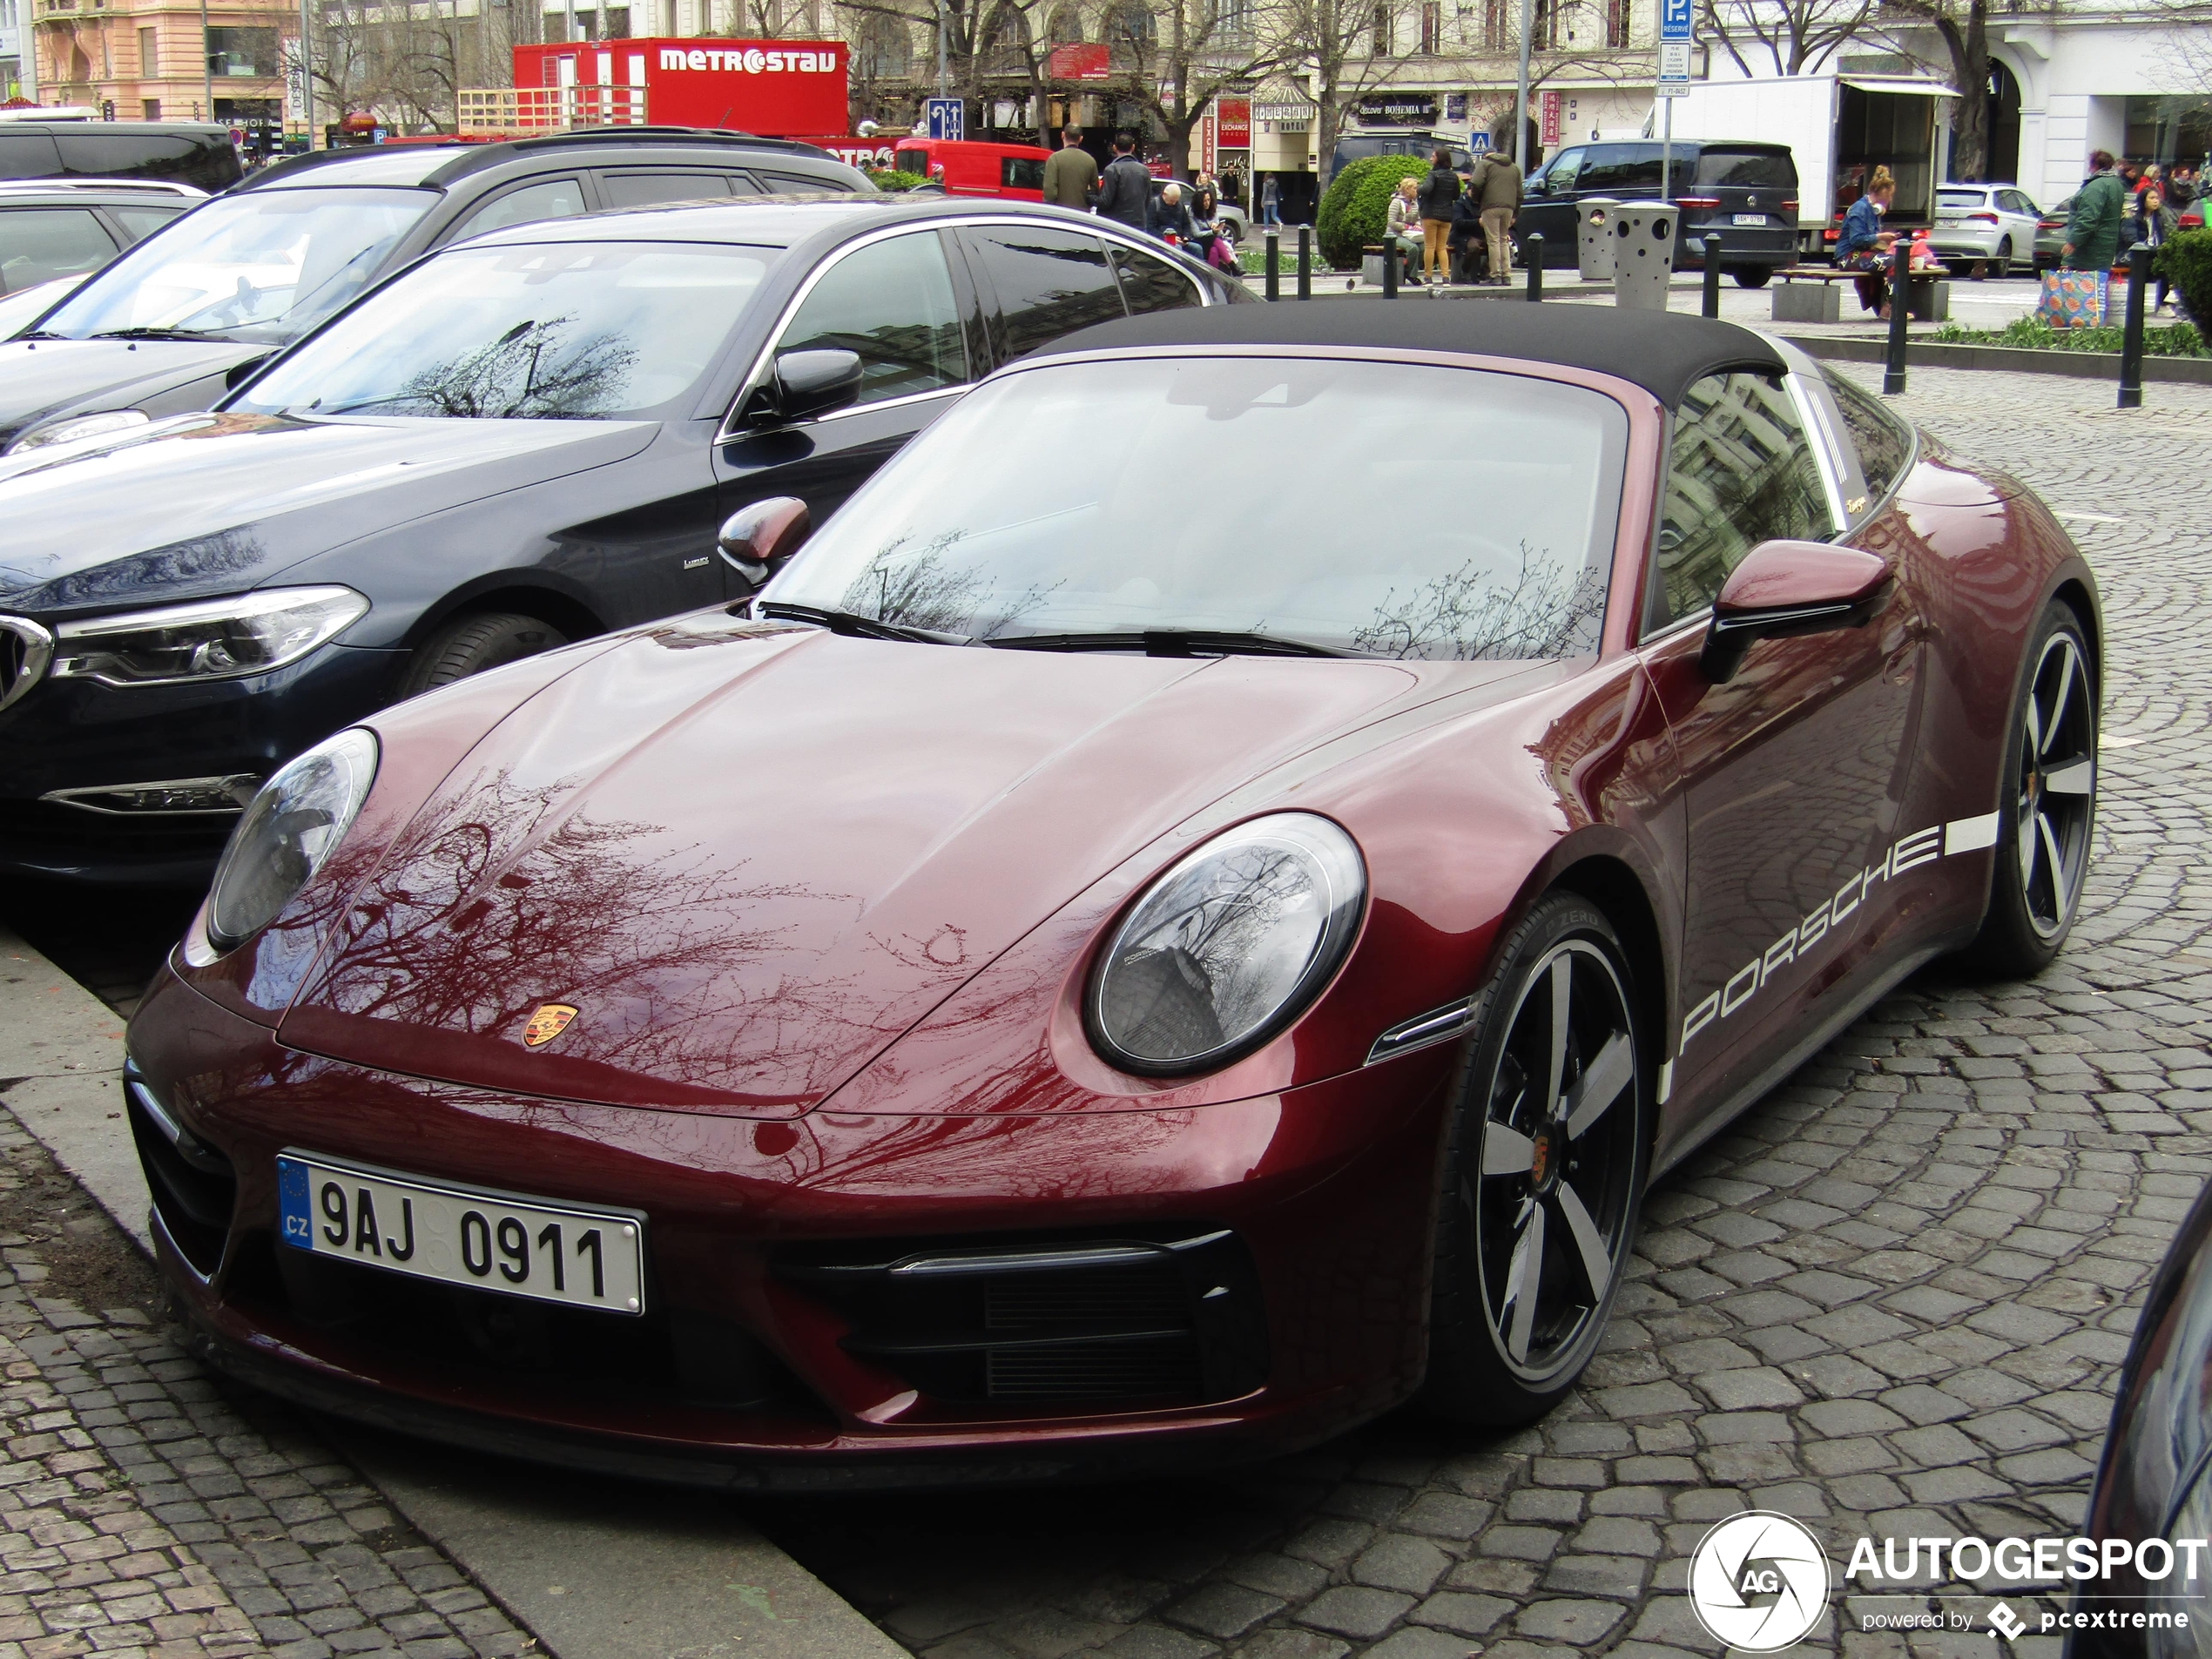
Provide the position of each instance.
(1199, 48)
(1335, 40)
(1785, 37)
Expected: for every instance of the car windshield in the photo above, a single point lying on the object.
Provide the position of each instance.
(1387, 509)
(1747, 169)
(263, 265)
(537, 331)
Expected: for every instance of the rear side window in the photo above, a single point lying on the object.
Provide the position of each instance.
(1619, 169)
(548, 199)
(1560, 174)
(38, 244)
(892, 302)
(210, 162)
(913, 161)
(1149, 283)
(645, 189)
(792, 183)
(1883, 443)
(1740, 471)
(28, 155)
(141, 220)
(1049, 281)
(1021, 173)
(1747, 169)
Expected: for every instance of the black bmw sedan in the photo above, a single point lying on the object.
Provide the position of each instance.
(524, 440)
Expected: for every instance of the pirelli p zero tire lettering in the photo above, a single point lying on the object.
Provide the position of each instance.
(474, 644)
(2048, 813)
(1543, 1171)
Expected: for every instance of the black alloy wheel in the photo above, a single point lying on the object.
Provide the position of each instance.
(1544, 1173)
(472, 644)
(2049, 813)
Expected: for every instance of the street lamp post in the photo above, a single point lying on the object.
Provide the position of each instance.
(306, 78)
(944, 74)
(207, 68)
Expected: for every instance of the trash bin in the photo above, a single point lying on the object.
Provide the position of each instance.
(1593, 237)
(1644, 254)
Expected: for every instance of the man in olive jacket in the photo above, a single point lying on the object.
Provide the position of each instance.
(1070, 174)
(1497, 186)
(2093, 234)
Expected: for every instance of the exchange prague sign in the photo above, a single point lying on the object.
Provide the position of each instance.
(777, 88)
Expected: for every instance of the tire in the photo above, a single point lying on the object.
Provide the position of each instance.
(1751, 276)
(2005, 257)
(471, 644)
(1522, 1183)
(2050, 790)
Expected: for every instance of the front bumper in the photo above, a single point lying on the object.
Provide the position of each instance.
(78, 733)
(775, 1352)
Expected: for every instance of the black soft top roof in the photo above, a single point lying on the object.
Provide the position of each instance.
(1663, 352)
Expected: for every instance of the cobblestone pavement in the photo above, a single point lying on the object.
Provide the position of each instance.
(146, 1510)
(1892, 1300)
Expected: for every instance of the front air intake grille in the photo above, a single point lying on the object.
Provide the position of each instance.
(50, 829)
(1107, 1320)
(25, 649)
(193, 1186)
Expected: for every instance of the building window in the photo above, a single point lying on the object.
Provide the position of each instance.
(245, 53)
(1236, 22)
(150, 109)
(1544, 34)
(1130, 33)
(1498, 26)
(887, 48)
(1007, 53)
(1064, 27)
(149, 55)
(1379, 46)
(1432, 27)
(1616, 23)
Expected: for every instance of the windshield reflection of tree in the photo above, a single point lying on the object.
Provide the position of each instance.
(897, 357)
(687, 970)
(528, 371)
(1478, 613)
(924, 590)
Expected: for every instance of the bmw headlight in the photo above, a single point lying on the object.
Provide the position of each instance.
(79, 426)
(292, 826)
(1227, 948)
(250, 633)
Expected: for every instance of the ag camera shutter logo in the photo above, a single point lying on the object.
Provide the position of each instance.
(1758, 1582)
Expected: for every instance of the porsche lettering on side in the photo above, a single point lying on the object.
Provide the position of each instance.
(1078, 975)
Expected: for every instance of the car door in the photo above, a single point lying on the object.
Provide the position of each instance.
(901, 301)
(38, 244)
(1794, 771)
(564, 195)
(2021, 218)
(1551, 211)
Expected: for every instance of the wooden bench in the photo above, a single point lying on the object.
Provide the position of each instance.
(1807, 293)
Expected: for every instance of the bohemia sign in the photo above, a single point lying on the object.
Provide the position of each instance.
(781, 89)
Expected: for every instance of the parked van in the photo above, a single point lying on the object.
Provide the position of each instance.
(1359, 146)
(970, 167)
(191, 152)
(1744, 192)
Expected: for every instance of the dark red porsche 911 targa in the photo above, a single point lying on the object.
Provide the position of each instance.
(1085, 973)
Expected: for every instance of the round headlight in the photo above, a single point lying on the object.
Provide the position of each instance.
(290, 829)
(1227, 948)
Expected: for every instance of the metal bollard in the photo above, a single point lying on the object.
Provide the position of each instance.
(1900, 310)
(1274, 263)
(1532, 255)
(1391, 257)
(1305, 261)
(1713, 276)
(2131, 343)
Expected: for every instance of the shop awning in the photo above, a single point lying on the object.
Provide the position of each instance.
(1903, 85)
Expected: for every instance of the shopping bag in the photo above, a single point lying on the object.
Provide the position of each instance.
(2073, 298)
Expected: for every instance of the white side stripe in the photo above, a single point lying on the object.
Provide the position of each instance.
(1969, 835)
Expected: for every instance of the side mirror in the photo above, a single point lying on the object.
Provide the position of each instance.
(812, 382)
(757, 538)
(1787, 588)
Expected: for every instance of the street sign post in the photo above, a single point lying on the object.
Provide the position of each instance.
(946, 118)
(1675, 37)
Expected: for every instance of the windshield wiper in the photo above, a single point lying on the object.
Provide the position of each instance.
(41, 333)
(856, 626)
(1171, 642)
(156, 333)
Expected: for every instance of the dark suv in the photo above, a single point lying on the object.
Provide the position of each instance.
(198, 153)
(1744, 192)
(528, 438)
(178, 320)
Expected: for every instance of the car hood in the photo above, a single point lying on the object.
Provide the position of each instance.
(749, 859)
(39, 378)
(205, 504)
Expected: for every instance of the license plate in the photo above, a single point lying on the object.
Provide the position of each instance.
(1750, 218)
(490, 1241)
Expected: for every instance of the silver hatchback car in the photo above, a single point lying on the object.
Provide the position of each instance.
(1986, 227)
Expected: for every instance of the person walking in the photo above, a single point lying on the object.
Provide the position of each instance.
(1439, 192)
(1402, 227)
(1070, 175)
(1864, 246)
(1497, 182)
(2093, 234)
(2152, 227)
(1271, 201)
(1125, 188)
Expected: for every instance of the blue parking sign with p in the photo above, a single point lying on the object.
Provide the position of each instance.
(1674, 19)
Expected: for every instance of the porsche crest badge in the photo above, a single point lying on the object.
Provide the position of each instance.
(550, 1020)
